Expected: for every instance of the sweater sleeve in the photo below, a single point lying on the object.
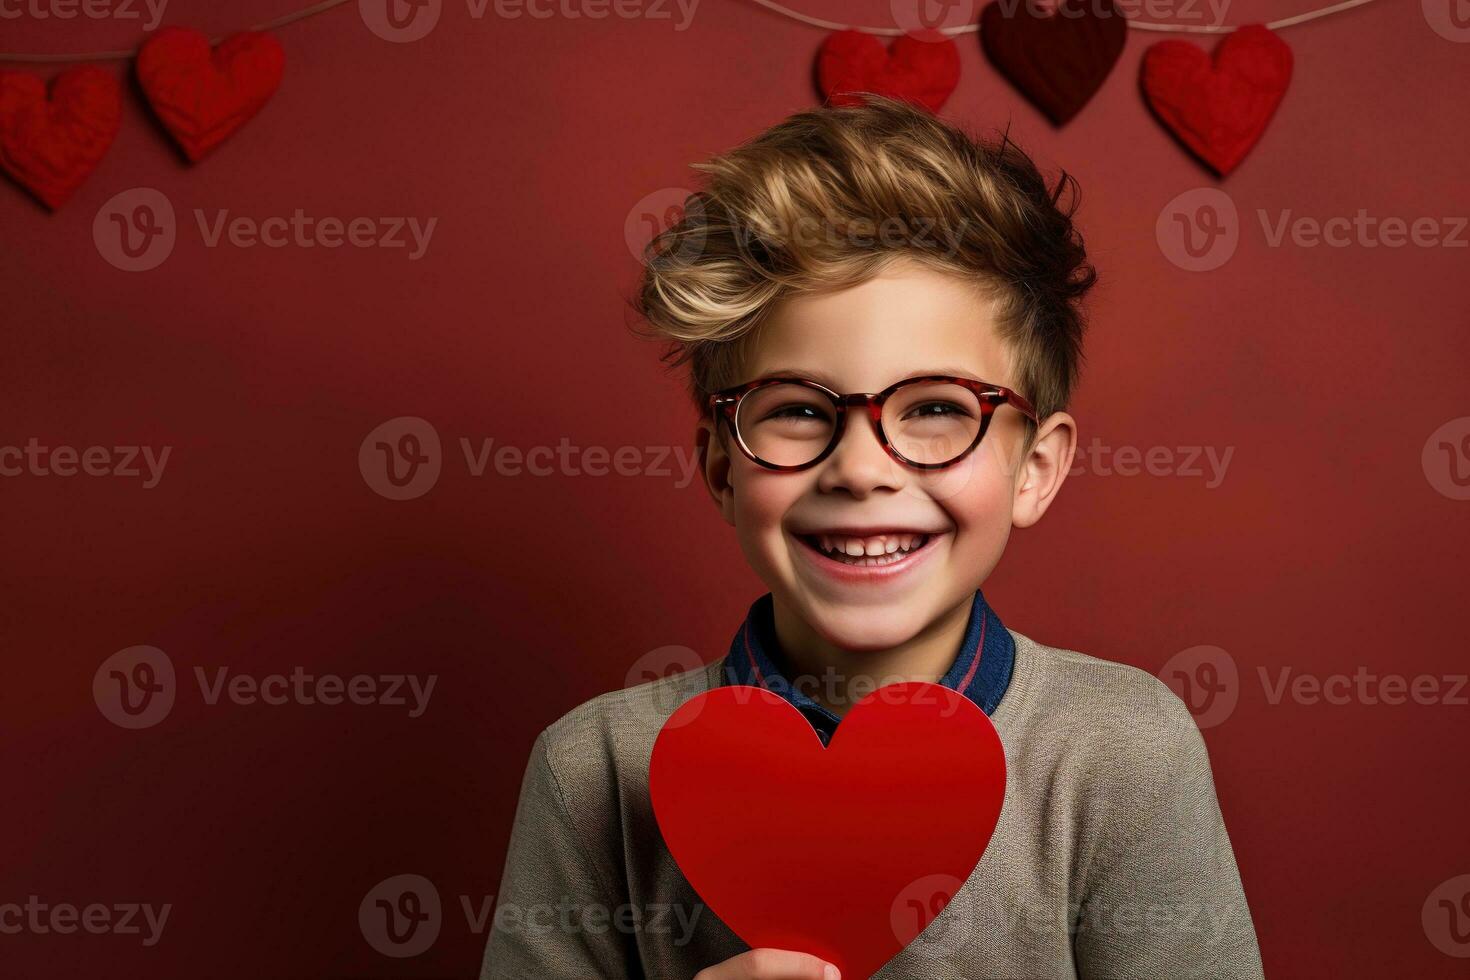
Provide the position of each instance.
(555, 916)
(1163, 897)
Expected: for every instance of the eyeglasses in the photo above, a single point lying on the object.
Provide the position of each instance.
(927, 422)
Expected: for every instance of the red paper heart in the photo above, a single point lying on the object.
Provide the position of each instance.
(918, 70)
(202, 95)
(1057, 61)
(1218, 107)
(830, 851)
(50, 146)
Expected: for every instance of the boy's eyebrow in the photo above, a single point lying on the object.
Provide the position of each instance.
(819, 377)
(825, 379)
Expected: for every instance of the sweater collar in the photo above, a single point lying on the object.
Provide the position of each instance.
(981, 671)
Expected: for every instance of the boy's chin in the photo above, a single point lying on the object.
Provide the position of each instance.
(866, 628)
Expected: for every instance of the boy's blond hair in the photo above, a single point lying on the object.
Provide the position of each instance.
(828, 197)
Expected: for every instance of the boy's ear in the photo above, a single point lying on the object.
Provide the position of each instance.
(1044, 468)
(715, 456)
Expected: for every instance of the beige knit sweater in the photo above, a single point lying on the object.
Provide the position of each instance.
(1110, 859)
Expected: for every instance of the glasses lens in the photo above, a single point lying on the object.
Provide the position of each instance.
(786, 424)
(932, 422)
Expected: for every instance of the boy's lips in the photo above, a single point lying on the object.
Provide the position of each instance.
(866, 554)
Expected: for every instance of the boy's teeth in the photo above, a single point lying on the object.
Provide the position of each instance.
(877, 546)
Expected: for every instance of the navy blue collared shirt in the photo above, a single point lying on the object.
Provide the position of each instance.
(981, 671)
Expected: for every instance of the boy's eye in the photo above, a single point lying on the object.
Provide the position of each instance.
(936, 410)
(796, 413)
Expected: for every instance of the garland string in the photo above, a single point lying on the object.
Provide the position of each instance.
(1138, 25)
(770, 5)
(269, 25)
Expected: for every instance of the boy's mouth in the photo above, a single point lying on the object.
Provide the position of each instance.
(867, 550)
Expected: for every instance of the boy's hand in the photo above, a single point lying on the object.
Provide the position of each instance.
(771, 964)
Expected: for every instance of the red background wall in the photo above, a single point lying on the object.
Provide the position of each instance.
(1326, 548)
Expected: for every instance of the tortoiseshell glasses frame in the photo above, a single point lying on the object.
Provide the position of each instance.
(725, 404)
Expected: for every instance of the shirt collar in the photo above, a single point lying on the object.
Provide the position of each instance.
(981, 671)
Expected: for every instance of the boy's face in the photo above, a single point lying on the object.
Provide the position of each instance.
(909, 320)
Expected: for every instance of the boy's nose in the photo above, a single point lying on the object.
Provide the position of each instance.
(859, 464)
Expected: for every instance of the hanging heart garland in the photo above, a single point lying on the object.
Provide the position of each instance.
(1218, 107)
(1058, 59)
(51, 142)
(201, 92)
(923, 70)
(202, 95)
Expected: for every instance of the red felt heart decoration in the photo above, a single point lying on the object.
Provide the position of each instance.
(830, 851)
(49, 146)
(202, 95)
(920, 70)
(1218, 108)
(1057, 60)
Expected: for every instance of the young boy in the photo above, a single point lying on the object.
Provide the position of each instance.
(875, 249)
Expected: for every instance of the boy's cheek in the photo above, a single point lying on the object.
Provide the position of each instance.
(974, 491)
(761, 505)
(763, 497)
